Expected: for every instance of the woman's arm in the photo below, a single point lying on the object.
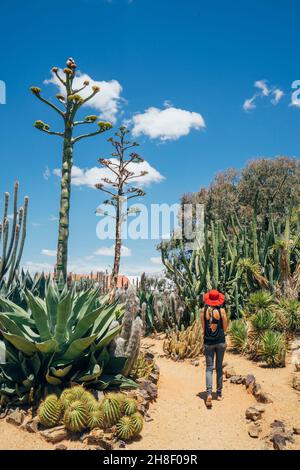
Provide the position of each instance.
(202, 319)
(224, 319)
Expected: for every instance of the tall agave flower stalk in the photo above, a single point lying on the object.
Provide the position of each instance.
(71, 101)
(12, 240)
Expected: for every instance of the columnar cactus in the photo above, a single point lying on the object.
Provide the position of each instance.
(71, 101)
(13, 242)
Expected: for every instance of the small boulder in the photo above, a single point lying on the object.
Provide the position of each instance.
(296, 382)
(236, 379)
(250, 379)
(260, 408)
(229, 372)
(277, 424)
(296, 429)
(61, 447)
(121, 444)
(16, 417)
(54, 435)
(264, 397)
(95, 437)
(279, 441)
(253, 431)
(33, 425)
(256, 389)
(147, 418)
(252, 413)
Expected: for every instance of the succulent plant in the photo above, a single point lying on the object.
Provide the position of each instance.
(185, 343)
(126, 428)
(273, 348)
(50, 411)
(96, 419)
(142, 367)
(129, 406)
(138, 422)
(110, 405)
(76, 416)
(238, 332)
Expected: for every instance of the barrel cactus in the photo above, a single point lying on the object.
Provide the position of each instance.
(111, 408)
(129, 406)
(96, 419)
(138, 422)
(76, 416)
(125, 428)
(50, 411)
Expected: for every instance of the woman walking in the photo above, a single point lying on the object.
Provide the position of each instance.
(214, 324)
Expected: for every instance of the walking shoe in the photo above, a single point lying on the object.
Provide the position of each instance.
(208, 401)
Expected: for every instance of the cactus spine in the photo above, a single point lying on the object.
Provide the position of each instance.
(76, 416)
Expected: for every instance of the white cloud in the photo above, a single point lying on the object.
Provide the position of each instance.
(91, 176)
(166, 124)
(106, 102)
(278, 94)
(47, 252)
(156, 260)
(47, 173)
(53, 218)
(249, 103)
(38, 267)
(262, 86)
(264, 92)
(110, 251)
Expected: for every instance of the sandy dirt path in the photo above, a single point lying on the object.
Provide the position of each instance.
(180, 418)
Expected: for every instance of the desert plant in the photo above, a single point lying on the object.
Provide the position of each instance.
(142, 367)
(120, 170)
(55, 340)
(238, 332)
(258, 301)
(95, 419)
(71, 101)
(76, 416)
(110, 405)
(129, 406)
(288, 313)
(138, 422)
(184, 343)
(272, 348)
(126, 428)
(126, 346)
(50, 411)
(12, 240)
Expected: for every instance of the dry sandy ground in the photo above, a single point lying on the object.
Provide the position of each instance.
(180, 418)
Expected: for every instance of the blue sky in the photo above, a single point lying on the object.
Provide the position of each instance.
(169, 67)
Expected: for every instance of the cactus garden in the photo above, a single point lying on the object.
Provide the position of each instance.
(123, 209)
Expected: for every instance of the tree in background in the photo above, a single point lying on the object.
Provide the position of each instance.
(263, 186)
(117, 187)
(71, 101)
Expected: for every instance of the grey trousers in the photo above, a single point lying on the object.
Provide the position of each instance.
(210, 352)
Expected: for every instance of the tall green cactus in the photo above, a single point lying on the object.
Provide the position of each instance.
(71, 102)
(237, 261)
(12, 240)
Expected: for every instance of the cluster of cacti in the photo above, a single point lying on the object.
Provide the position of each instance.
(127, 344)
(184, 343)
(237, 260)
(142, 367)
(57, 339)
(79, 410)
(266, 327)
(13, 239)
